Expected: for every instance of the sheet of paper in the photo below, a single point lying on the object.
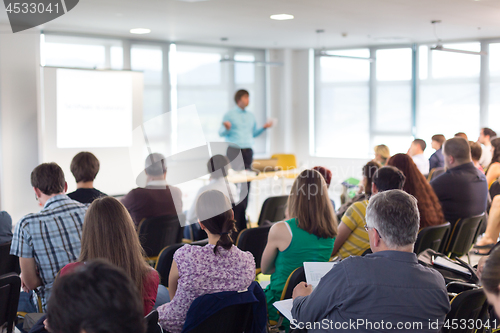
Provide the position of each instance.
(439, 261)
(285, 307)
(316, 270)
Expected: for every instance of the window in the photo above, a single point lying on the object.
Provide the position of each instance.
(449, 93)
(494, 93)
(342, 105)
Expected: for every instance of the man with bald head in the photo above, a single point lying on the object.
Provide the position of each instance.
(462, 189)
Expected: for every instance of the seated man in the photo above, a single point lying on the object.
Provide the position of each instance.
(437, 160)
(416, 152)
(217, 166)
(462, 189)
(384, 291)
(97, 297)
(84, 167)
(157, 198)
(47, 241)
(352, 238)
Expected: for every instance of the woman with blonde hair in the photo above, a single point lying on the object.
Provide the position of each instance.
(382, 154)
(109, 233)
(308, 235)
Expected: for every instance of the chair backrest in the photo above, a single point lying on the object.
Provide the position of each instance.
(8, 263)
(158, 232)
(273, 209)
(152, 323)
(463, 235)
(435, 172)
(10, 287)
(286, 161)
(431, 237)
(469, 304)
(164, 262)
(166, 256)
(231, 319)
(253, 240)
(296, 277)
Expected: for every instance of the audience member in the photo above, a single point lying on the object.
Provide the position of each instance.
(84, 168)
(429, 207)
(387, 287)
(327, 175)
(382, 154)
(47, 241)
(368, 170)
(157, 198)
(218, 266)
(475, 154)
(490, 279)
(493, 171)
(462, 190)
(462, 135)
(352, 239)
(5, 227)
(109, 233)
(217, 166)
(416, 152)
(97, 298)
(308, 235)
(485, 137)
(437, 160)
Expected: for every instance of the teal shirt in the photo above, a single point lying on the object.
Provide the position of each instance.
(243, 128)
(304, 247)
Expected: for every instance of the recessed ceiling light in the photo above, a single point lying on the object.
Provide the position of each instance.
(140, 31)
(281, 17)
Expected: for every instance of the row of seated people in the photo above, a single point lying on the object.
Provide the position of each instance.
(312, 221)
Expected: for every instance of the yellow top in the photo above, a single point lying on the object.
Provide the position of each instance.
(354, 219)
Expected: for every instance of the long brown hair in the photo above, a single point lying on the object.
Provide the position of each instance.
(429, 207)
(310, 204)
(109, 233)
(214, 211)
(495, 143)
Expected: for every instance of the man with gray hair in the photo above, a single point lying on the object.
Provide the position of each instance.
(384, 291)
(157, 198)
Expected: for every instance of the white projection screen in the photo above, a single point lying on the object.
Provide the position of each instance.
(95, 111)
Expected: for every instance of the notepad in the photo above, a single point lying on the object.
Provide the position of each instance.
(443, 262)
(316, 270)
(285, 308)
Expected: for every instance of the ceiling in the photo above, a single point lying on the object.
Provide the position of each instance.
(247, 23)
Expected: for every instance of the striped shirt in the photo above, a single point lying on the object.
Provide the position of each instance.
(52, 237)
(354, 219)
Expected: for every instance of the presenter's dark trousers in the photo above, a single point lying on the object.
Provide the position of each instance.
(240, 209)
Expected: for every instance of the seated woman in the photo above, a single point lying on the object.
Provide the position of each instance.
(308, 235)
(429, 207)
(215, 267)
(493, 170)
(368, 170)
(109, 233)
(382, 154)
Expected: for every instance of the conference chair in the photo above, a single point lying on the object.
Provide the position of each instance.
(10, 288)
(431, 237)
(435, 172)
(254, 240)
(470, 305)
(273, 209)
(152, 325)
(285, 161)
(296, 277)
(462, 237)
(155, 233)
(232, 312)
(166, 256)
(8, 262)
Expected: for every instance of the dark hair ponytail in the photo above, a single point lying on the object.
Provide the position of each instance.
(214, 211)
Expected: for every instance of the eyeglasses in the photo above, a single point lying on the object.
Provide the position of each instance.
(367, 227)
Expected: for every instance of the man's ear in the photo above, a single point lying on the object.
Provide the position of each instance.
(374, 188)
(38, 193)
(65, 187)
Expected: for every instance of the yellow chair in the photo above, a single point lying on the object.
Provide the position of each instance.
(286, 161)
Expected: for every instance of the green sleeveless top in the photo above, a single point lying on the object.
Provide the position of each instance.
(303, 247)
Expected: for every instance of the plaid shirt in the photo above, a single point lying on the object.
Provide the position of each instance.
(52, 237)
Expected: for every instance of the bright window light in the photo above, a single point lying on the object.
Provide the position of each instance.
(140, 31)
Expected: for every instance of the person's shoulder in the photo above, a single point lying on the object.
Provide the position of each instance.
(174, 189)
(5, 217)
(357, 208)
(186, 250)
(69, 268)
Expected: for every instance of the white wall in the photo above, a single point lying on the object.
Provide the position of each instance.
(19, 87)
